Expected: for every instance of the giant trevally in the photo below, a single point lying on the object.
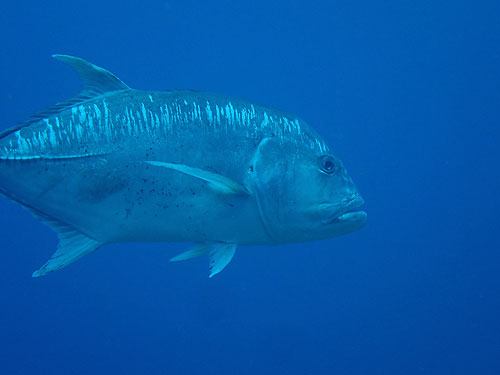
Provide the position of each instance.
(115, 164)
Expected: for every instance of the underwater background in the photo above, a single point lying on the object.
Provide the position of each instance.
(407, 93)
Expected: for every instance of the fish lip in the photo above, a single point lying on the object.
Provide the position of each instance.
(350, 216)
(350, 212)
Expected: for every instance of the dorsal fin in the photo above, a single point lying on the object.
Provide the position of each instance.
(96, 81)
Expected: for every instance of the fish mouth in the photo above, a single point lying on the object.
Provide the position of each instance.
(355, 216)
(349, 213)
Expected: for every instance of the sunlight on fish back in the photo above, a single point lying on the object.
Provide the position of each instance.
(116, 164)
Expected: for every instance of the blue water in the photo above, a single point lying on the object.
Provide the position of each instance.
(408, 95)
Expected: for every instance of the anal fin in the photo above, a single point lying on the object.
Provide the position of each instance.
(72, 246)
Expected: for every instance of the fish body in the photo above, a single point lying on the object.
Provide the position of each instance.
(116, 164)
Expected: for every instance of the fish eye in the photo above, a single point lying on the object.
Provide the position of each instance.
(327, 164)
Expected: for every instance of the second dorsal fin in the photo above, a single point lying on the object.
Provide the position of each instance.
(96, 80)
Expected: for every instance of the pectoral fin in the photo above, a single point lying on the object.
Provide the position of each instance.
(220, 254)
(218, 183)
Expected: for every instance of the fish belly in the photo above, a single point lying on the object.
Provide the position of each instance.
(121, 198)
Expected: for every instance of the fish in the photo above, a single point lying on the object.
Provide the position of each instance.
(115, 164)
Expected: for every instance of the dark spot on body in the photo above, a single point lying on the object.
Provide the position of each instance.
(94, 187)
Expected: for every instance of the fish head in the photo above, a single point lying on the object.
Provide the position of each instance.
(304, 192)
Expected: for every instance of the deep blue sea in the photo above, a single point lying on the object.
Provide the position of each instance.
(408, 95)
